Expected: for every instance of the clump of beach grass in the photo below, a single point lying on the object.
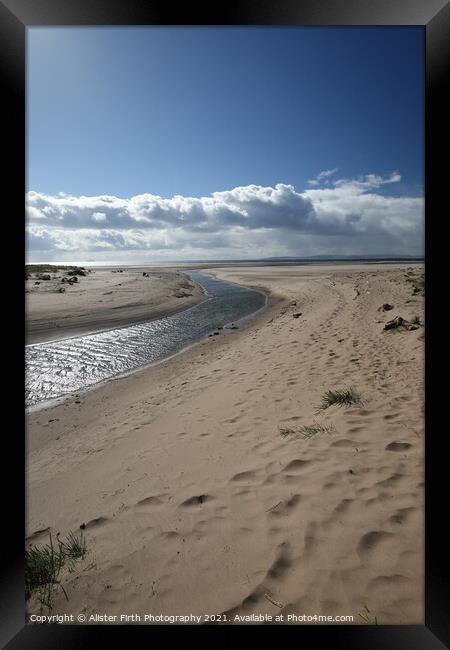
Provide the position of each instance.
(36, 271)
(367, 616)
(306, 431)
(343, 397)
(43, 566)
(416, 321)
(418, 283)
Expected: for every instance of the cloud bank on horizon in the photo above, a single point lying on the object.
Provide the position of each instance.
(332, 217)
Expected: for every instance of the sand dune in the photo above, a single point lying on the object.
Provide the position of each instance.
(194, 503)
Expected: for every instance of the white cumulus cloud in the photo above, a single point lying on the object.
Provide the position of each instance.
(346, 216)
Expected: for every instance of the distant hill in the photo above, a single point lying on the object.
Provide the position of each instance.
(341, 257)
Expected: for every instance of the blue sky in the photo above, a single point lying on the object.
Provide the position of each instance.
(197, 113)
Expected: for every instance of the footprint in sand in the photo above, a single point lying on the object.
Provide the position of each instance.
(401, 515)
(356, 429)
(343, 506)
(170, 538)
(37, 534)
(245, 477)
(150, 502)
(282, 564)
(371, 542)
(296, 465)
(345, 443)
(94, 523)
(391, 481)
(194, 501)
(311, 540)
(398, 446)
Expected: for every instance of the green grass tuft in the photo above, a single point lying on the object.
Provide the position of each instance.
(418, 283)
(367, 616)
(344, 397)
(43, 566)
(37, 269)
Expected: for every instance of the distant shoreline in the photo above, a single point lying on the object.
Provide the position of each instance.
(253, 262)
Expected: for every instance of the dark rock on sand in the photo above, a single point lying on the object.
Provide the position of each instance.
(398, 321)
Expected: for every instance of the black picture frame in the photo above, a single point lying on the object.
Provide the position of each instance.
(434, 16)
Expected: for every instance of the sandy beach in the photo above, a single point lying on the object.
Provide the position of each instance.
(191, 500)
(103, 299)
